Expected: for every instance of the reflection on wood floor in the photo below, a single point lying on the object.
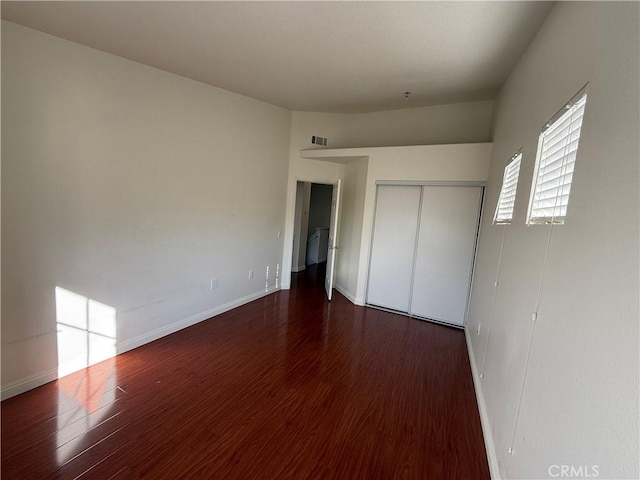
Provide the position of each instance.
(287, 387)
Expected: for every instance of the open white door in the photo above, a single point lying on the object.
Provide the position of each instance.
(333, 240)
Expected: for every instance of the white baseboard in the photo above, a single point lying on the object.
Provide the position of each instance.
(350, 296)
(187, 322)
(299, 268)
(494, 468)
(345, 292)
(23, 385)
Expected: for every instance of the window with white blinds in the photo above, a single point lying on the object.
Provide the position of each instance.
(555, 162)
(507, 198)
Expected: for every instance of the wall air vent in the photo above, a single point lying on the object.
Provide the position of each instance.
(319, 140)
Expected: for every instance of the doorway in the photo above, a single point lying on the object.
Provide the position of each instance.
(311, 226)
(315, 230)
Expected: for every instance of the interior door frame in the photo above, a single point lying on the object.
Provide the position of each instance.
(290, 218)
(334, 227)
(428, 183)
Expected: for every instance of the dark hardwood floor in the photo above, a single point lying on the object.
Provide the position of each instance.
(287, 387)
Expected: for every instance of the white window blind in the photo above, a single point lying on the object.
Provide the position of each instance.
(507, 198)
(556, 158)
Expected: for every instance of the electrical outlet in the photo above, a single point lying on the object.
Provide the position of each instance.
(250, 274)
(279, 234)
(213, 284)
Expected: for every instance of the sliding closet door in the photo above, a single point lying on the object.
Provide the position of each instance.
(393, 247)
(445, 254)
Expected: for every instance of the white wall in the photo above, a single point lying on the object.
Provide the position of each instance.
(334, 126)
(130, 186)
(580, 404)
(442, 124)
(352, 211)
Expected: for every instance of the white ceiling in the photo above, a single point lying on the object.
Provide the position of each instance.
(313, 56)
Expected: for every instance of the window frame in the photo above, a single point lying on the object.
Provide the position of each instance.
(558, 117)
(515, 158)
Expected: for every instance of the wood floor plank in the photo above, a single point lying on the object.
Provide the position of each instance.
(288, 386)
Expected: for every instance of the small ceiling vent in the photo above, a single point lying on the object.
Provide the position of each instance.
(319, 140)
